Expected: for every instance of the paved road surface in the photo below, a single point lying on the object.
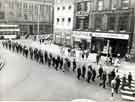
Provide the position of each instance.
(23, 79)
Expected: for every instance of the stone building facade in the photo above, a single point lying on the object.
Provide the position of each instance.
(63, 21)
(28, 14)
(110, 23)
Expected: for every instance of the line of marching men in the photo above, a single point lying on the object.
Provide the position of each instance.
(60, 63)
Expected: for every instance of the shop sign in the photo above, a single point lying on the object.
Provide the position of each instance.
(2, 15)
(82, 13)
(111, 35)
(82, 35)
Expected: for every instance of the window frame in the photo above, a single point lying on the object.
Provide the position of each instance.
(69, 19)
(97, 5)
(58, 8)
(125, 2)
(69, 7)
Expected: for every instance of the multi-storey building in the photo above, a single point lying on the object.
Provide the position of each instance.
(110, 22)
(63, 21)
(81, 34)
(32, 16)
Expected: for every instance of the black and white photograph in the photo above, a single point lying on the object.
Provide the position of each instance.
(67, 50)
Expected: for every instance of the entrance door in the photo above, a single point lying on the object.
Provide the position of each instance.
(119, 46)
(31, 29)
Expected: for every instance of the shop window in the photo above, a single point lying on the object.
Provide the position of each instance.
(124, 4)
(100, 4)
(123, 22)
(98, 22)
(111, 22)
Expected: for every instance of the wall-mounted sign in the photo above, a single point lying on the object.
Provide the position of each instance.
(82, 35)
(2, 15)
(82, 13)
(111, 35)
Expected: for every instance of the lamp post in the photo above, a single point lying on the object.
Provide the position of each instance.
(38, 21)
(6, 12)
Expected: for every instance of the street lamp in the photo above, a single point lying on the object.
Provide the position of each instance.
(38, 20)
(6, 12)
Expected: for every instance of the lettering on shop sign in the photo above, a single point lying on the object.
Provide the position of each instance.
(82, 13)
(110, 35)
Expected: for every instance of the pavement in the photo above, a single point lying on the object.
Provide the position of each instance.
(24, 80)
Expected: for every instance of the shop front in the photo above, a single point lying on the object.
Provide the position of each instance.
(63, 38)
(110, 44)
(81, 40)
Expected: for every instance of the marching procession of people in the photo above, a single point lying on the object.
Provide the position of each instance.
(82, 71)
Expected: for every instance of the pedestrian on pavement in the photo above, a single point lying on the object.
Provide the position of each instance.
(98, 57)
(45, 56)
(79, 73)
(100, 71)
(83, 55)
(31, 53)
(124, 83)
(65, 65)
(109, 79)
(117, 83)
(49, 61)
(83, 71)
(61, 63)
(93, 74)
(104, 77)
(53, 61)
(129, 79)
(89, 74)
(87, 54)
(113, 74)
(68, 64)
(113, 86)
(56, 64)
(74, 65)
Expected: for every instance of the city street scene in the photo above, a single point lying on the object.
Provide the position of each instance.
(67, 50)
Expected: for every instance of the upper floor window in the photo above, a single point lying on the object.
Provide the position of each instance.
(0, 5)
(63, 19)
(69, 7)
(100, 4)
(114, 4)
(111, 22)
(124, 4)
(124, 22)
(79, 7)
(83, 6)
(58, 20)
(58, 8)
(69, 20)
(63, 7)
(98, 22)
